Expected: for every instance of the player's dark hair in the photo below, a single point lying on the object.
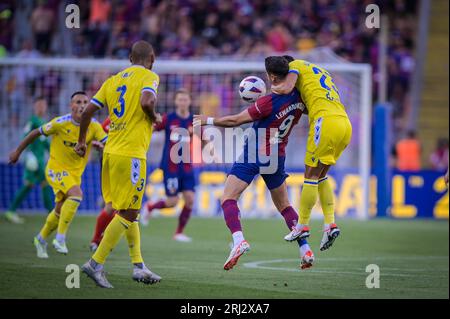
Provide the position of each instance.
(182, 91)
(38, 98)
(277, 65)
(140, 51)
(78, 92)
(288, 58)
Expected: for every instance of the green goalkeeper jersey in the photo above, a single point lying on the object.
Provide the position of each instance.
(41, 145)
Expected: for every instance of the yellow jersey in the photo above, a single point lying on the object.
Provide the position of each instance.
(64, 131)
(317, 89)
(130, 130)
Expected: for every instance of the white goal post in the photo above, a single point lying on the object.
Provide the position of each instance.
(23, 79)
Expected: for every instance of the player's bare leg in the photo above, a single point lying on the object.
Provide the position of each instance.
(169, 202)
(233, 190)
(280, 199)
(184, 217)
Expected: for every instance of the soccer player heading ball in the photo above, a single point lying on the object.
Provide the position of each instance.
(273, 118)
(130, 97)
(330, 133)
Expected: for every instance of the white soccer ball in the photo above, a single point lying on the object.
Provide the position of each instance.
(251, 88)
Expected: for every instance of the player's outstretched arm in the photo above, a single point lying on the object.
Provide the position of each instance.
(225, 121)
(148, 104)
(287, 85)
(86, 117)
(14, 155)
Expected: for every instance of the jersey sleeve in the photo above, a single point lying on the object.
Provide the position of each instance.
(99, 133)
(294, 67)
(99, 99)
(162, 125)
(51, 127)
(261, 108)
(150, 83)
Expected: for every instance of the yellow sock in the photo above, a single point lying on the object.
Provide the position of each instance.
(307, 200)
(326, 200)
(68, 211)
(133, 235)
(51, 223)
(111, 237)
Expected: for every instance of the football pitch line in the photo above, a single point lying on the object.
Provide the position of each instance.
(262, 264)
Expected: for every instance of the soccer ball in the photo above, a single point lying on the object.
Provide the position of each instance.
(251, 88)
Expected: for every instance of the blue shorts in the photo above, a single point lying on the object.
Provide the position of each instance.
(248, 171)
(176, 183)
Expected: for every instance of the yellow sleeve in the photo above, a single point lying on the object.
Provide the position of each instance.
(150, 83)
(99, 133)
(51, 127)
(294, 67)
(99, 99)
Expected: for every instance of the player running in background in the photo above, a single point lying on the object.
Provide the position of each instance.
(107, 213)
(329, 134)
(64, 170)
(272, 113)
(130, 96)
(34, 164)
(178, 177)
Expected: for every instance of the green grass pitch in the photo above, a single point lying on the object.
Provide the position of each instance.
(412, 257)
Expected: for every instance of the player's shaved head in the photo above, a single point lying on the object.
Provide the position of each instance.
(142, 54)
(277, 66)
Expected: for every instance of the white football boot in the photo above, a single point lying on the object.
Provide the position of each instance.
(182, 238)
(145, 276)
(98, 276)
(329, 236)
(235, 254)
(145, 215)
(41, 248)
(14, 218)
(60, 247)
(297, 234)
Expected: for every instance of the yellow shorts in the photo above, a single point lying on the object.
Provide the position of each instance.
(327, 139)
(123, 181)
(61, 181)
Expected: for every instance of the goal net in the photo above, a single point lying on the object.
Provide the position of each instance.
(214, 88)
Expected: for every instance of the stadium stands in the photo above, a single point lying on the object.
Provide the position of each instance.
(208, 29)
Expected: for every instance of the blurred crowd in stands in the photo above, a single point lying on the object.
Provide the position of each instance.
(181, 29)
(237, 29)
